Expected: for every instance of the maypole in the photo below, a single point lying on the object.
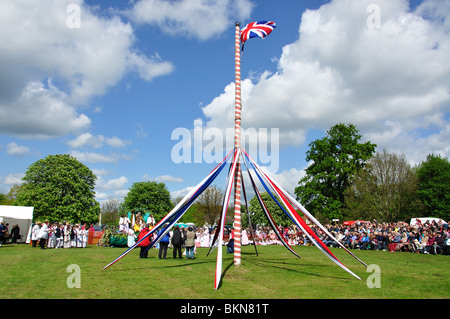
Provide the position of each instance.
(237, 145)
(290, 206)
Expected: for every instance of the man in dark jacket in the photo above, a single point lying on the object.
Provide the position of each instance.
(177, 242)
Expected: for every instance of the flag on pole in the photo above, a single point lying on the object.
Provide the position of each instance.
(257, 29)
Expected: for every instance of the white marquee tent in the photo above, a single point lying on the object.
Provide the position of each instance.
(20, 215)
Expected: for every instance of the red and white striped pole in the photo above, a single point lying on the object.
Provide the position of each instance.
(237, 144)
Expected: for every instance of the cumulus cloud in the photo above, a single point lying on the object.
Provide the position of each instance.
(167, 179)
(392, 80)
(115, 183)
(89, 140)
(51, 67)
(16, 150)
(201, 19)
(13, 179)
(92, 157)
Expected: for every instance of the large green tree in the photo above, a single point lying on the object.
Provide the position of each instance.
(148, 196)
(257, 214)
(335, 159)
(385, 189)
(434, 186)
(61, 189)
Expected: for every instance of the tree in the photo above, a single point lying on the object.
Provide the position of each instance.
(209, 204)
(257, 214)
(335, 159)
(10, 198)
(3, 200)
(434, 186)
(385, 189)
(110, 211)
(149, 196)
(61, 189)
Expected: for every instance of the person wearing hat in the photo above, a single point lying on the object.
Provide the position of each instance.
(43, 234)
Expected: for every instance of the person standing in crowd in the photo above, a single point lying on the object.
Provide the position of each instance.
(131, 237)
(84, 236)
(2, 232)
(35, 234)
(144, 243)
(51, 236)
(73, 236)
(59, 236)
(177, 242)
(15, 234)
(190, 243)
(151, 220)
(164, 243)
(5, 234)
(43, 234)
(67, 231)
(79, 236)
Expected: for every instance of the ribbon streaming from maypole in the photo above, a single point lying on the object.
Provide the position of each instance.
(250, 226)
(226, 200)
(292, 213)
(308, 215)
(179, 209)
(269, 216)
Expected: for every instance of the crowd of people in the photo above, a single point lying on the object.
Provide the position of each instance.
(6, 234)
(428, 238)
(60, 235)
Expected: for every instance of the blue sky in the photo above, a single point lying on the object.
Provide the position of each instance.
(112, 82)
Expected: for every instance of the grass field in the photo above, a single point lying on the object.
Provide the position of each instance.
(28, 273)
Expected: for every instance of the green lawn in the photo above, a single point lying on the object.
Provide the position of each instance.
(28, 273)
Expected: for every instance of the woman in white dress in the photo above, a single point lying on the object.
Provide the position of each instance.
(122, 223)
(35, 233)
(84, 236)
(51, 236)
(79, 235)
(205, 238)
(67, 236)
(244, 237)
(131, 237)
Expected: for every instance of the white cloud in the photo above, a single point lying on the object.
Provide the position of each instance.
(181, 193)
(14, 178)
(87, 139)
(49, 69)
(91, 157)
(117, 183)
(202, 19)
(392, 82)
(121, 193)
(289, 179)
(100, 172)
(167, 179)
(16, 150)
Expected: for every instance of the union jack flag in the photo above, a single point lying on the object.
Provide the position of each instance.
(260, 29)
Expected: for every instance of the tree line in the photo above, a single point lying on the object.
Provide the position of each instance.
(346, 179)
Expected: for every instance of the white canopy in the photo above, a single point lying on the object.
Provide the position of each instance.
(20, 215)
